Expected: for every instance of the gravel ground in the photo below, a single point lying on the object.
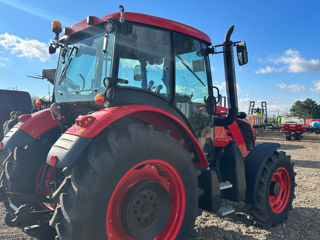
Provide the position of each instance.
(303, 221)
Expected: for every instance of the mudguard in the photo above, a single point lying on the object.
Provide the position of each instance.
(32, 127)
(73, 142)
(254, 164)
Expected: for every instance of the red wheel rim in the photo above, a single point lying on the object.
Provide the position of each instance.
(154, 170)
(279, 201)
(46, 189)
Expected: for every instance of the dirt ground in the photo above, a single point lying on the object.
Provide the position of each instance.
(303, 221)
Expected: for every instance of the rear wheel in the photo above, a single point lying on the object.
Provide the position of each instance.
(134, 183)
(275, 192)
(21, 181)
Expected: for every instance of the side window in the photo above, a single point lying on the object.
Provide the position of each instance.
(145, 59)
(192, 84)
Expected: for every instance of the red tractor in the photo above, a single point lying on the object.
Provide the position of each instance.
(135, 144)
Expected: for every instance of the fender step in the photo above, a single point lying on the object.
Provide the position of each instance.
(225, 185)
(225, 210)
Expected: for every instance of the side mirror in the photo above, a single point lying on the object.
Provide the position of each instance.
(137, 73)
(242, 53)
(52, 49)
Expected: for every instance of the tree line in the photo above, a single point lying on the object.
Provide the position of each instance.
(306, 109)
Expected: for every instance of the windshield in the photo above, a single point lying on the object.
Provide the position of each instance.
(82, 68)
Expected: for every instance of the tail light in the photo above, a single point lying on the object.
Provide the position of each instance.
(84, 121)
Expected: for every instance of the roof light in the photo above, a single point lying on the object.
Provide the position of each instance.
(56, 27)
(38, 102)
(99, 99)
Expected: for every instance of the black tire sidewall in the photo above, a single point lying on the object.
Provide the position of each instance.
(151, 148)
(273, 218)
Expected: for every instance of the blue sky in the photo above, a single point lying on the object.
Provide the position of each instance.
(282, 40)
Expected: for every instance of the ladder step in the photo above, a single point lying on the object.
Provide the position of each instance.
(225, 185)
(225, 210)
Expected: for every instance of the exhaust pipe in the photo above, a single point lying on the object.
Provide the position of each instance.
(231, 85)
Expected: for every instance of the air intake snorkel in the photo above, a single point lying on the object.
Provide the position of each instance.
(230, 77)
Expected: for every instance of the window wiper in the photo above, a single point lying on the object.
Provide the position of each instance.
(64, 71)
(187, 67)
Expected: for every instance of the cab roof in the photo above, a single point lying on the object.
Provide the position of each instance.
(144, 19)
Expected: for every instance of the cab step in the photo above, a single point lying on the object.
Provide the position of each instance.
(225, 185)
(225, 210)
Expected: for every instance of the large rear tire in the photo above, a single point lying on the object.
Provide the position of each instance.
(21, 176)
(134, 182)
(275, 191)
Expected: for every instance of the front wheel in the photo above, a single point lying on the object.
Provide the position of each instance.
(275, 191)
(135, 182)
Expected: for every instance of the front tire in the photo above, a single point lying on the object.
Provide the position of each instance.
(275, 191)
(135, 182)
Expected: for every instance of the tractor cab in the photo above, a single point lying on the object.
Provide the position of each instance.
(141, 59)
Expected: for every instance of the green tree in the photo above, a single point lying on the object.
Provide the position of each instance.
(306, 109)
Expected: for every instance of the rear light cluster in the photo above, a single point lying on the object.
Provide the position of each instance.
(1, 146)
(85, 121)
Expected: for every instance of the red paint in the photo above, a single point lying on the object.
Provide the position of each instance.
(24, 117)
(39, 123)
(309, 121)
(279, 203)
(145, 19)
(46, 189)
(53, 161)
(223, 136)
(107, 116)
(148, 170)
(293, 127)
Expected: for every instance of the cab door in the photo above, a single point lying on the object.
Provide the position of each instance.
(192, 85)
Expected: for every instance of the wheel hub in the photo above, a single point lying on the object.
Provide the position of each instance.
(275, 188)
(145, 209)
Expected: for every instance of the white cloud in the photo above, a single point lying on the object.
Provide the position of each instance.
(244, 100)
(2, 60)
(291, 87)
(291, 61)
(316, 87)
(243, 104)
(29, 48)
(275, 109)
(268, 69)
(296, 63)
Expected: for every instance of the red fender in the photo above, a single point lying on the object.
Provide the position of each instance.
(39, 123)
(153, 115)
